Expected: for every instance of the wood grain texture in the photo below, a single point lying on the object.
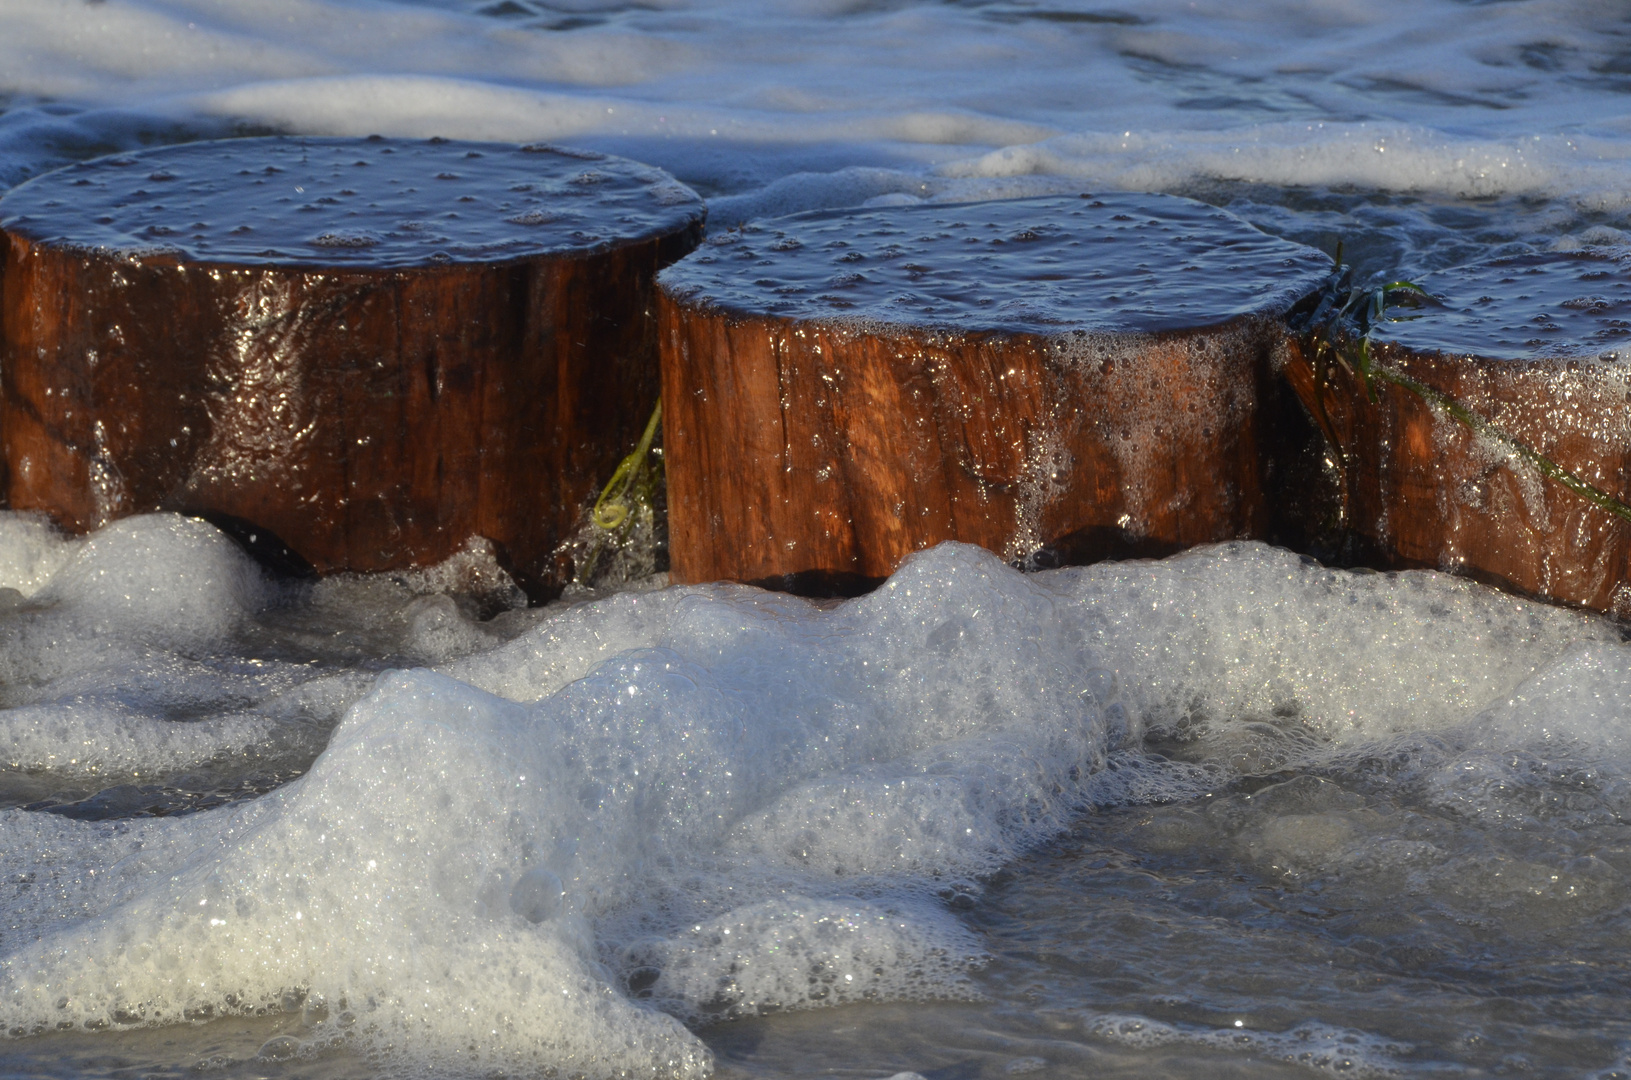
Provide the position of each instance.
(818, 457)
(1424, 491)
(1059, 380)
(371, 418)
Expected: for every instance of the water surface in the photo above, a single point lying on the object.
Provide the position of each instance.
(1231, 814)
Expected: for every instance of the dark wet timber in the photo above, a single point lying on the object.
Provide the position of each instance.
(372, 349)
(1536, 347)
(1057, 380)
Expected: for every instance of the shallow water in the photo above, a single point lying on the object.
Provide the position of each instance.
(1230, 814)
(1421, 135)
(296, 202)
(1564, 305)
(1112, 263)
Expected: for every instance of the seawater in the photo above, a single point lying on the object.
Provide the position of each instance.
(1420, 133)
(1228, 814)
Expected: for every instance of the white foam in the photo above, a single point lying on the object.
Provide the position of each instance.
(1318, 1047)
(158, 578)
(1383, 156)
(718, 802)
(159, 582)
(1239, 631)
(426, 615)
(87, 742)
(31, 551)
(61, 873)
(330, 888)
(156, 647)
(764, 828)
(580, 637)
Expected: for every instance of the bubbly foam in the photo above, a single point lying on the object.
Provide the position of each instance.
(800, 790)
(1314, 1046)
(31, 551)
(711, 802)
(160, 582)
(1240, 631)
(156, 649)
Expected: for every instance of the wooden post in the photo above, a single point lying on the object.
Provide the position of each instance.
(1058, 380)
(1534, 347)
(372, 349)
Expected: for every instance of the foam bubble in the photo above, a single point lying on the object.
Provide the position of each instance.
(1319, 1047)
(1381, 156)
(31, 551)
(156, 650)
(1238, 632)
(158, 582)
(329, 889)
(752, 810)
(159, 578)
(709, 802)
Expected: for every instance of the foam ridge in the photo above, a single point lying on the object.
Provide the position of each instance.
(710, 802)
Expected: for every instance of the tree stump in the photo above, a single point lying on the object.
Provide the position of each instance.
(1536, 346)
(373, 349)
(1057, 380)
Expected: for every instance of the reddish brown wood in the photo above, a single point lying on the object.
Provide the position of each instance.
(819, 456)
(371, 416)
(1423, 491)
(814, 444)
(1534, 346)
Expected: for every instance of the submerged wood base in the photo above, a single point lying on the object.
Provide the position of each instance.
(370, 420)
(818, 435)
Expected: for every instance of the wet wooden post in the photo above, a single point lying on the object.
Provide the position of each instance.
(372, 349)
(1535, 346)
(1057, 380)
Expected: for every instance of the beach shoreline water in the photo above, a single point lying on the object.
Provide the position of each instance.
(1230, 813)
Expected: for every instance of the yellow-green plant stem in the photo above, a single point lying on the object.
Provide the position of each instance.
(612, 508)
(631, 488)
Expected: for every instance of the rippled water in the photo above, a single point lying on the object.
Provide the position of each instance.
(1558, 305)
(1114, 263)
(335, 202)
(1421, 135)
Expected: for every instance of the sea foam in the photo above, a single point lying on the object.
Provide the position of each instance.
(709, 802)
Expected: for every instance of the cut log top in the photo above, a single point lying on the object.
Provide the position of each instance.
(376, 204)
(1533, 307)
(1112, 263)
